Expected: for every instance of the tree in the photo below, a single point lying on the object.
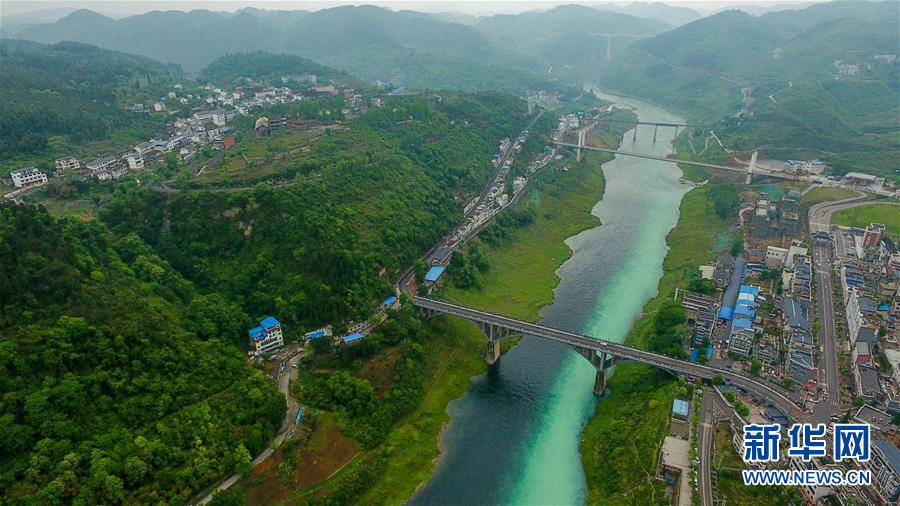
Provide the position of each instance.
(243, 462)
(737, 247)
(741, 408)
(730, 396)
(755, 366)
(788, 383)
(230, 497)
(718, 380)
(171, 162)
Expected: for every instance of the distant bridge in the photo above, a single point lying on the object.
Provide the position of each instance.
(749, 171)
(602, 354)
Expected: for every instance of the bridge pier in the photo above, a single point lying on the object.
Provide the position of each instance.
(600, 383)
(492, 355)
(655, 128)
(495, 334)
(634, 134)
(602, 362)
(752, 166)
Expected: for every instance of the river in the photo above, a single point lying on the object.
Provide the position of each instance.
(514, 437)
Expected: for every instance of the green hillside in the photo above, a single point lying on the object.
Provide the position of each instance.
(373, 197)
(404, 47)
(119, 380)
(795, 84)
(70, 90)
(266, 67)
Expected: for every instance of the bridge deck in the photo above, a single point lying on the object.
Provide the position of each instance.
(655, 123)
(759, 388)
(678, 160)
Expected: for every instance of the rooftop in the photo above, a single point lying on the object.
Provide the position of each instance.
(350, 338)
(890, 451)
(269, 322)
(680, 407)
(434, 273)
(797, 312)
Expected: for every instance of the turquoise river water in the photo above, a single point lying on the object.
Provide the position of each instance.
(514, 436)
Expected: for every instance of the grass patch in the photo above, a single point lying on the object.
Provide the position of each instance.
(565, 200)
(620, 445)
(885, 213)
(454, 355)
(823, 194)
(412, 446)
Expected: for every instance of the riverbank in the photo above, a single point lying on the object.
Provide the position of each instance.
(620, 444)
(522, 273)
(329, 464)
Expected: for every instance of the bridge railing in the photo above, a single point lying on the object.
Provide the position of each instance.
(621, 351)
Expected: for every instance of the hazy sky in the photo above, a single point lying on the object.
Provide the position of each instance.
(128, 7)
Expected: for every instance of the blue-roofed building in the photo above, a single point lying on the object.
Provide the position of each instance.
(267, 336)
(390, 302)
(434, 274)
(752, 290)
(318, 333)
(726, 312)
(680, 409)
(352, 338)
(742, 323)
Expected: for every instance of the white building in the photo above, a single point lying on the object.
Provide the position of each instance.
(145, 147)
(29, 176)
(135, 162)
(885, 466)
(741, 341)
(854, 315)
(267, 336)
(775, 256)
(66, 163)
(101, 164)
(159, 106)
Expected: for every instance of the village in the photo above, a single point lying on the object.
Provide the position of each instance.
(208, 128)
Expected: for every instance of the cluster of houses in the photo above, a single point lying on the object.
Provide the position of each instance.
(764, 318)
(869, 278)
(268, 335)
(776, 217)
(207, 127)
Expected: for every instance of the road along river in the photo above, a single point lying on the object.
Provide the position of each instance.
(514, 437)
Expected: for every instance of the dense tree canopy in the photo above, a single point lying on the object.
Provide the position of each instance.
(376, 196)
(67, 89)
(118, 381)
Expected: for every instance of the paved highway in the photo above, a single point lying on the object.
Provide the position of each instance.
(820, 214)
(706, 435)
(770, 393)
(828, 366)
(820, 221)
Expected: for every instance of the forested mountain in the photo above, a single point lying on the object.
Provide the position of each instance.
(68, 89)
(815, 80)
(370, 42)
(266, 67)
(120, 382)
(573, 36)
(672, 15)
(373, 197)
